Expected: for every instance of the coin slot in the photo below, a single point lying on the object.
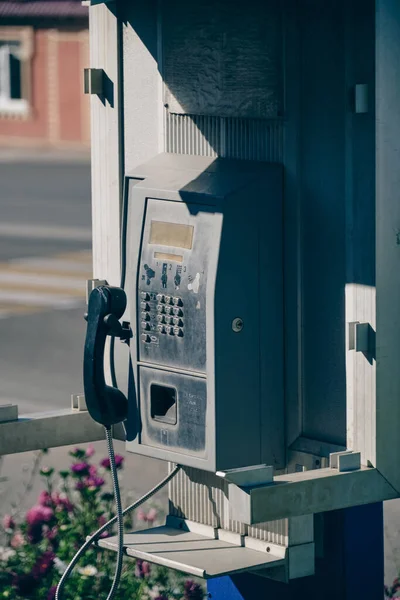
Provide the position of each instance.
(163, 404)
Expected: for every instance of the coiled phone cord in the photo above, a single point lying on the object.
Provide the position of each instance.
(118, 518)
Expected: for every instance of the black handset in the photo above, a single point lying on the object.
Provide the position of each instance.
(106, 404)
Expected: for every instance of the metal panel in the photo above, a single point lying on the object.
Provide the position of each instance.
(323, 220)
(223, 58)
(246, 139)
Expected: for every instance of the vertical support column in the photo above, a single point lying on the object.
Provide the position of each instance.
(388, 239)
(106, 146)
(351, 567)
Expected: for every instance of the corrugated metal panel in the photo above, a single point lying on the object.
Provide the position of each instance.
(246, 139)
(276, 532)
(203, 497)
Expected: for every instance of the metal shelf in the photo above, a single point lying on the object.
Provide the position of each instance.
(192, 552)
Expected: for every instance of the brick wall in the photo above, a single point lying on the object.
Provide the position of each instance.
(59, 112)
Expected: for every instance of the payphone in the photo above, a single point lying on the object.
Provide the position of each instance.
(204, 287)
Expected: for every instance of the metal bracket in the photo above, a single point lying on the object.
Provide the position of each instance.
(93, 81)
(296, 494)
(8, 412)
(345, 461)
(245, 476)
(360, 337)
(78, 402)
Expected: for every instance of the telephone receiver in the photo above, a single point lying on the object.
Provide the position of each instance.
(106, 404)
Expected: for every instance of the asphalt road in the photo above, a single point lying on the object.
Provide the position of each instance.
(44, 213)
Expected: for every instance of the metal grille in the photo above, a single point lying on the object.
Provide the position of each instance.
(245, 139)
(202, 497)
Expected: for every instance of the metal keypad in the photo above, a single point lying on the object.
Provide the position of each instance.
(172, 308)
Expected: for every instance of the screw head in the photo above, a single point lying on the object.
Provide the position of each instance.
(237, 324)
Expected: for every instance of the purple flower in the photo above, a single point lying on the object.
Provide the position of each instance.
(81, 485)
(162, 597)
(52, 593)
(24, 584)
(8, 522)
(43, 564)
(192, 590)
(118, 462)
(142, 569)
(39, 514)
(62, 502)
(95, 482)
(90, 451)
(44, 498)
(51, 534)
(80, 469)
(35, 533)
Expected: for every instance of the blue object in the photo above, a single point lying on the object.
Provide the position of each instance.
(352, 567)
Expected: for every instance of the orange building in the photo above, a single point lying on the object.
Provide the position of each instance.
(44, 47)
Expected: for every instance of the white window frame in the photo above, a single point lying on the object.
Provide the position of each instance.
(15, 107)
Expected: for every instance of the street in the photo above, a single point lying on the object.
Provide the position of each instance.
(45, 260)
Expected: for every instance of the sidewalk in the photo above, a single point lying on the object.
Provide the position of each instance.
(17, 154)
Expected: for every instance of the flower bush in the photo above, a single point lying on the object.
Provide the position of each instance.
(73, 505)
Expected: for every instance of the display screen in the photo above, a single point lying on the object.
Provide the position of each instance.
(171, 234)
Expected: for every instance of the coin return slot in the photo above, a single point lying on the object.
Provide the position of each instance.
(163, 404)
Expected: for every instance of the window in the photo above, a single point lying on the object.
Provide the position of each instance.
(15, 57)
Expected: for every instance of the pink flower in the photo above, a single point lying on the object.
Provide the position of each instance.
(90, 451)
(44, 498)
(92, 470)
(102, 521)
(151, 515)
(118, 462)
(38, 514)
(141, 515)
(17, 540)
(192, 590)
(8, 522)
(142, 569)
(95, 482)
(62, 502)
(51, 534)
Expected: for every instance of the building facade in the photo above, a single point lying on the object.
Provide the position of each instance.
(43, 50)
